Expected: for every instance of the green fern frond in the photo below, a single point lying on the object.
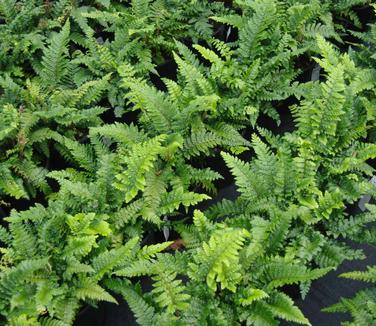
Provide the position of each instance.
(242, 172)
(170, 292)
(172, 200)
(11, 185)
(140, 161)
(250, 295)
(232, 20)
(218, 259)
(79, 247)
(121, 133)
(106, 261)
(128, 214)
(148, 252)
(200, 142)
(154, 104)
(54, 59)
(282, 306)
(144, 312)
(279, 274)
(81, 153)
(367, 276)
(88, 289)
(361, 307)
(46, 321)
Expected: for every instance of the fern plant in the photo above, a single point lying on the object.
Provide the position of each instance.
(132, 177)
(362, 305)
(65, 63)
(261, 65)
(363, 54)
(302, 181)
(24, 28)
(68, 82)
(339, 16)
(226, 282)
(41, 113)
(145, 30)
(57, 257)
(52, 262)
(141, 34)
(189, 110)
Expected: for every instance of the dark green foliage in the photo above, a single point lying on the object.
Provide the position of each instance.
(241, 285)
(90, 226)
(302, 182)
(24, 28)
(107, 153)
(56, 260)
(246, 82)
